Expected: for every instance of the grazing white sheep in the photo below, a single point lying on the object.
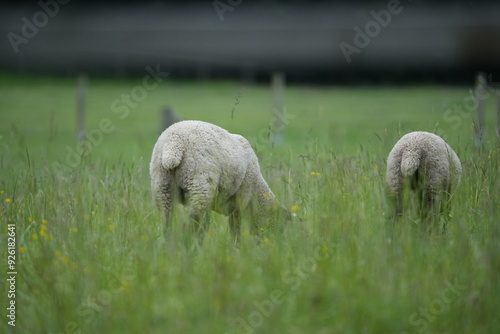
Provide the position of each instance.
(208, 168)
(431, 166)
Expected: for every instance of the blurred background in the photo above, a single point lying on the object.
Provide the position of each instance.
(355, 42)
(321, 89)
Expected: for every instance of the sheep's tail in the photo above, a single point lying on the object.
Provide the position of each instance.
(410, 161)
(172, 153)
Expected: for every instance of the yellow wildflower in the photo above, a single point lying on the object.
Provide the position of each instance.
(111, 227)
(34, 236)
(64, 259)
(74, 229)
(2, 191)
(44, 221)
(217, 303)
(125, 286)
(30, 220)
(8, 200)
(22, 249)
(315, 173)
(295, 208)
(44, 234)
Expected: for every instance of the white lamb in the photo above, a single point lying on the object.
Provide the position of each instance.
(208, 168)
(431, 166)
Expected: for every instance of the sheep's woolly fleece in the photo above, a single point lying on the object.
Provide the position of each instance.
(427, 153)
(209, 166)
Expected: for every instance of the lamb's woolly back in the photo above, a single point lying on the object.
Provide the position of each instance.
(212, 169)
(415, 148)
(429, 163)
(426, 151)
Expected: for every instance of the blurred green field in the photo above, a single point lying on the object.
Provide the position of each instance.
(92, 258)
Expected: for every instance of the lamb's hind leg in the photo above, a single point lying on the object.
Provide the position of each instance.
(430, 218)
(162, 190)
(200, 200)
(398, 206)
(234, 218)
(397, 213)
(445, 209)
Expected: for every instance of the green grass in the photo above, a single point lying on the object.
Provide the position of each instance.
(92, 257)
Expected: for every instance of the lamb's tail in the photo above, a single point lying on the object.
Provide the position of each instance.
(410, 161)
(172, 152)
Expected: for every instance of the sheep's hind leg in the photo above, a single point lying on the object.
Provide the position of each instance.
(393, 220)
(200, 199)
(234, 218)
(445, 209)
(429, 213)
(398, 206)
(163, 196)
(200, 222)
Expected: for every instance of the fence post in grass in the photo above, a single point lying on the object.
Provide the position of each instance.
(278, 87)
(480, 93)
(81, 104)
(168, 117)
(498, 119)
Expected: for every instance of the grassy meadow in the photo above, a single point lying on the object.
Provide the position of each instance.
(92, 258)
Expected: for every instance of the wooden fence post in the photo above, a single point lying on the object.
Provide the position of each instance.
(480, 94)
(498, 119)
(278, 87)
(81, 105)
(168, 117)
